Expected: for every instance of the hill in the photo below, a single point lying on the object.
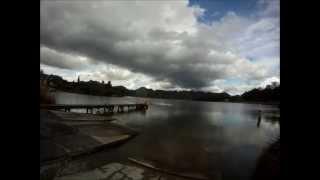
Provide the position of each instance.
(270, 94)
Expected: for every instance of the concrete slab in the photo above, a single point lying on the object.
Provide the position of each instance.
(49, 171)
(81, 116)
(112, 171)
(59, 139)
(75, 123)
(119, 171)
(103, 130)
(50, 126)
(50, 151)
(112, 139)
(76, 144)
(152, 165)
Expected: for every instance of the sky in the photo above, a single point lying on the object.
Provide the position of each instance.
(216, 46)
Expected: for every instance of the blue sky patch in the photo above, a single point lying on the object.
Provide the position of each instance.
(215, 9)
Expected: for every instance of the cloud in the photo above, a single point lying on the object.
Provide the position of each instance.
(55, 58)
(162, 43)
(269, 81)
(270, 8)
(107, 72)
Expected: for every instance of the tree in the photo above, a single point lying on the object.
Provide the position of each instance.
(274, 84)
(109, 84)
(41, 72)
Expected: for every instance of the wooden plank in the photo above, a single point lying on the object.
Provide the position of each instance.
(86, 105)
(90, 109)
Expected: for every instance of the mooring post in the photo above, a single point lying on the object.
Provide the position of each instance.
(259, 118)
(120, 108)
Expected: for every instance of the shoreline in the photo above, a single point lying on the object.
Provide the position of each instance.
(244, 102)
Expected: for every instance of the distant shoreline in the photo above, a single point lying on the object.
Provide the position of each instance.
(244, 102)
(268, 95)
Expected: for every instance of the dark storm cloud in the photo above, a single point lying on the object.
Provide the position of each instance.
(163, 44)
(55, 58)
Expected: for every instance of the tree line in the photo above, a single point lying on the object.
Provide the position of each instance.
(269, 94)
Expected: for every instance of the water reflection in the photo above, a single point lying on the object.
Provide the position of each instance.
(206, 137)
(268, 162)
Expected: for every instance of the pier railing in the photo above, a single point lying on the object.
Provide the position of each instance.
(107, 108)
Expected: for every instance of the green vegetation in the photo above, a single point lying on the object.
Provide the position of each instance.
(270, 94)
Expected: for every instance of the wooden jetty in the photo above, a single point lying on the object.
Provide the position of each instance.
(107, 108)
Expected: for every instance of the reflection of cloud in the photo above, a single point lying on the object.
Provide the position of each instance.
(162, 104)
(239, 131)
(270, 125)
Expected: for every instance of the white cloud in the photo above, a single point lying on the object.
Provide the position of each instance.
(269, 81)
(159, 45)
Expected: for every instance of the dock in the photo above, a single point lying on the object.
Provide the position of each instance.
(66, 137)
(101, 108)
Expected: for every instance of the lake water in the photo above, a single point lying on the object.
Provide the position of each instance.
(193, 136)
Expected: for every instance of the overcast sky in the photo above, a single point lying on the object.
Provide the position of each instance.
(216, 46)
